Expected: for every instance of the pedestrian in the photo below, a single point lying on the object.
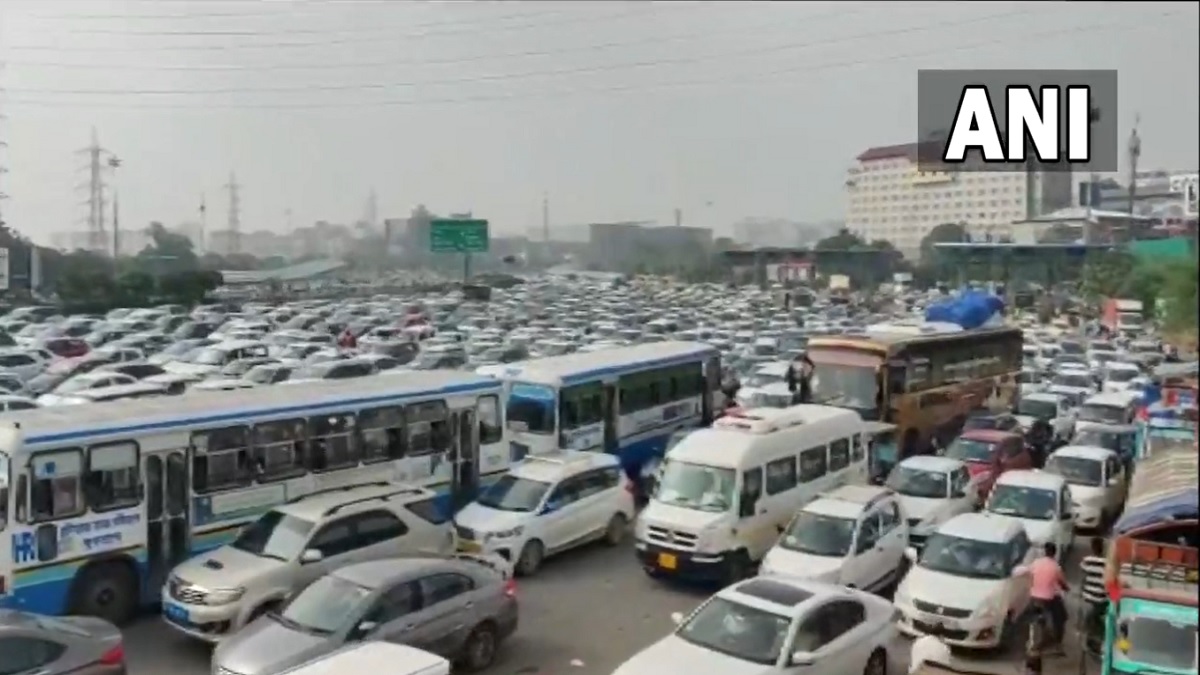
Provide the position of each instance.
(799, 379)
(1095, 597)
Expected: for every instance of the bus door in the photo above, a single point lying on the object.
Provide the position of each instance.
(712, 384)
(167, 531)
(611, 444)
(465, 480)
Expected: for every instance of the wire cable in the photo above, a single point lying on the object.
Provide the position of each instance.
(764, 77)
(285, 9)
(504, 77)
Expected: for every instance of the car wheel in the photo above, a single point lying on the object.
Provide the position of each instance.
(877, 664)
(480, 650)
(614, 534)
(532, 554)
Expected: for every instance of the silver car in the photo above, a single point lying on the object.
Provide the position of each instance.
(459, 607)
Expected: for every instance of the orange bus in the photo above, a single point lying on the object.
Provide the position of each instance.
(921, 379)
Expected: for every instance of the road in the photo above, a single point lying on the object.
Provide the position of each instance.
(584, 613)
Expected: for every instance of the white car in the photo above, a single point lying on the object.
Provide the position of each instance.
(967, 586)
(1041, 502)
(1053, 407)
(854, 535)
(1096, 480)
(775, 625)
(932, 490)
(1073, 383)
(1120, 376)
(547, 504)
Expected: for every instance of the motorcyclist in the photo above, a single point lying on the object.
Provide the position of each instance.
(1039, 437)
(1045, 593)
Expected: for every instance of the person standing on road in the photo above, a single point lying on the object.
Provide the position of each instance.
(1094, 596)
(1048, 585)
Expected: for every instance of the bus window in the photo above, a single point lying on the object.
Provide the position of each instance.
(839, 454)
(491, 427)
(581, 405)
(428, 427)
(382, 434)
(812, 464)
(57, 490)
(112, 476)
(332, 445)
(279, 449)
(221, 459)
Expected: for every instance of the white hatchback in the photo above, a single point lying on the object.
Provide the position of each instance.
(1041, 502)
(932, 490)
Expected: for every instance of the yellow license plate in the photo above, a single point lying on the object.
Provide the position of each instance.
(469, 547)
(667, 561)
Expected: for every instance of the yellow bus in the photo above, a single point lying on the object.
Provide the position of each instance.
(920, 378)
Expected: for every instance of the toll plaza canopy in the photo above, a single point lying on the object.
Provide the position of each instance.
(302, 272)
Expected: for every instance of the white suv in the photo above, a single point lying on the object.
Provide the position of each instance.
(855, 535)
(546, 504)
(288, 547)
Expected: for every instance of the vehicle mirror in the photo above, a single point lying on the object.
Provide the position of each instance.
(366, 627)
(311, 555)
(910, 553)
(802, 659)
(677, 618)
(1114, 481)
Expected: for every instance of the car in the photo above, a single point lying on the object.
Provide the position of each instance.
(966, 586)
(932, 490)
(43, 645)
(214, 594)
(1096, 480)
(775, 625)
(987, 419)
(547, 504)
(1041, 502)
(988, 454)
(854, 535)
(1054, 408)
(459, 607)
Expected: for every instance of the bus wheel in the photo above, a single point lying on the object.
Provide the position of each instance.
(107, 590)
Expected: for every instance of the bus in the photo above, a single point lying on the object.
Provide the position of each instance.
(99, 502)
(924, 378)
(626, 401)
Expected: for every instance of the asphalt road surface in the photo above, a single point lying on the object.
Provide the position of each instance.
(583, 614)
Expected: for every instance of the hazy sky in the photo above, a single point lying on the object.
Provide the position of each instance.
(616, 110)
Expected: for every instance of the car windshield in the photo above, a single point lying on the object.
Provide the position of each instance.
(919, 482)
(75, 384)
(965, 557)
(1105, 414)
(178, 349)
(738, 631)
(970, 451)
(1045, 410)
(512, 493)
(982, 422)
(1027, 377)
(696, 486)
(1073, 380)
(1155, 642)
(1122, 375)
(1020, 501)
(1071, 347)
(274, 535)
(326, 606)
(846, 387)
(1076, 470)
(261, 374)
(818, 534)
(209, 357)
(1099, 438)
(531, 408)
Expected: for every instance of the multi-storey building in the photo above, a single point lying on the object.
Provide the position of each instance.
(891, 197)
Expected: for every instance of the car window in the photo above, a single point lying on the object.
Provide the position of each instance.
(334, 538)
(846, 615)
(443, 587)
(597, 481)
(395, 602)
(22, 654)
(567, 491)
(868, 532)
(1019, 547)
(826, 624)
(375, 527)
(961, 478)
(889, 517)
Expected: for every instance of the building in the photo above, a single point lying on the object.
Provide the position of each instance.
(617, 246)
(779, 232)
(1158, 194)
(890, 197)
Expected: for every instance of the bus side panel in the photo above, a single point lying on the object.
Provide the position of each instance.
(644, 433)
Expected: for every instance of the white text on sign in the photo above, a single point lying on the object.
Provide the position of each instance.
(1035, 122)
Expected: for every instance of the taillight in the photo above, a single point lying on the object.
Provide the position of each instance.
(114, 656)
(510, 588)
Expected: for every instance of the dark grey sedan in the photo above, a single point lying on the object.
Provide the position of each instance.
(31, 643)
(459, 607)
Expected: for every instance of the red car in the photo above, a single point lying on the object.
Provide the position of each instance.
(989, 453)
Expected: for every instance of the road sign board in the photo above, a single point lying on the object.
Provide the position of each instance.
(458, 235)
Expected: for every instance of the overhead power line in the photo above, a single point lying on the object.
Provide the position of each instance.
(284, 10)
(505, 77)
(765, 76)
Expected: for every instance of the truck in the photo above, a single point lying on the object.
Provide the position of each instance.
(1152, 570)
(1122, 317)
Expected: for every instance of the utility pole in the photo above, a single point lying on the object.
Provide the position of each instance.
(203, 221)
(3, 168)
(678, 217)
(1135, 152)
(114, 163)
(235, 214)
(96, 201)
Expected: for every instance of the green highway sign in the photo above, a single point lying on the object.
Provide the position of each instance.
(458, 235)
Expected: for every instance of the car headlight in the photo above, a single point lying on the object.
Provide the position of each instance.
(506, 534)
(989, 611)
(224, 596)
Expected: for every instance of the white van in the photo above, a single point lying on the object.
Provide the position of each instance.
(375, 657)
(725, 493)
(1118, 407)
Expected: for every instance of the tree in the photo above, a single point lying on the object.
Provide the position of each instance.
(844, 239)
(945, 233)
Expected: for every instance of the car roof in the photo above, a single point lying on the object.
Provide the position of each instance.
(1047, 396)
(784, 596)
(1091, 452)
(988, 435)
(932, 463)
(380, 573)
(1032, 478)
(847, 501)
(314, 506)
(553, 466)
(980, 527)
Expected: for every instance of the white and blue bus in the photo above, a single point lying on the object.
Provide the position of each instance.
(627, 401)
(99, 502)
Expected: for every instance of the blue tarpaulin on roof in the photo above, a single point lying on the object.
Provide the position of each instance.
(971, 309)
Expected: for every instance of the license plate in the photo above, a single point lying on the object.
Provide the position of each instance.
(667, 561)
(176, 613)
(939, 621)
(469, 547)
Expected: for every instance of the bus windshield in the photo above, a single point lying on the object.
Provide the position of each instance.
(696, 486)
(531, 408)
(845, 386)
